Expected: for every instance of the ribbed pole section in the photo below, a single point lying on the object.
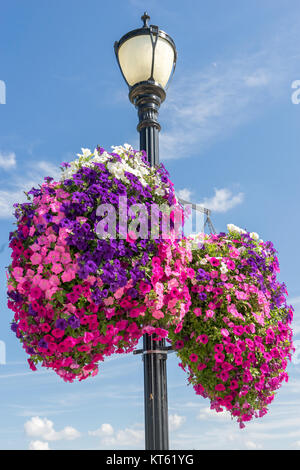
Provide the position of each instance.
(155, 394)
(149, 140)
(147, 100)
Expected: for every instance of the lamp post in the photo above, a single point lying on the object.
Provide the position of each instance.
(147, 59)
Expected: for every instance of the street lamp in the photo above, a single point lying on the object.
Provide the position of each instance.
(147, 59)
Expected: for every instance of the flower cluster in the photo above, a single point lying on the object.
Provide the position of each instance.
(170, 296)
(236, 339)
(77, 297)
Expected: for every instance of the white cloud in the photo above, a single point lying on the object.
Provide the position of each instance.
(44, 428)
(32, 176)
(223, 200)
(252, 445)
(8, 160)
(104, 430)
(39, 445)
(185, 194)
(131, 436)
(295, 302)
(207, 413)
(176, 421)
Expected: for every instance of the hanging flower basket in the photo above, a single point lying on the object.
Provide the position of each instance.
(236, 340)
(84, 282)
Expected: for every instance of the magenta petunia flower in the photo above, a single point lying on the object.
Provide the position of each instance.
(193, 357)
(218, 348)
(219, 357)
(203, 339)
(220, 388)
(230, 264)
(214, 262)
(36, 292)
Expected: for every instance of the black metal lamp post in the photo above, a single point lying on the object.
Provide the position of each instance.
(147, 59)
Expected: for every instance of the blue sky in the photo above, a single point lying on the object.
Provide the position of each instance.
(230, 139)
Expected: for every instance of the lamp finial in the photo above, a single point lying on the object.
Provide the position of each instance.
(145, 18)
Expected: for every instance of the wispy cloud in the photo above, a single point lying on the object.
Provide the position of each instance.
(253, 445)
(7, 160)
(22, 180)
(185, 194)
(208, 105)
(176, 421)
(295, 302)
(208, 413)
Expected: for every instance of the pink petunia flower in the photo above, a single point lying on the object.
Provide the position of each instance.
(197, 311)
(57, 268)
(36, 258)
(158, 314)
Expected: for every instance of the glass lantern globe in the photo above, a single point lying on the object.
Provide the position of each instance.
(146, 55)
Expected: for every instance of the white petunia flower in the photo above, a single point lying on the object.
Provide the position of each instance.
(223, 268)
(160, 192)
(254, 235)
(85, 153)
(231, 228)
(197, 236)
(128, 147)
(234, 228)
(121, 149)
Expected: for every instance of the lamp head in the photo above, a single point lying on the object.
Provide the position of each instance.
(147, 58)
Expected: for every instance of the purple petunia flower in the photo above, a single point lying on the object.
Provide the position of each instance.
(43, 344)
(133, 293)
(202, 296)
(74, 322)
(61, 324)
(90, 267)
(31, 311)
(14, 327)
